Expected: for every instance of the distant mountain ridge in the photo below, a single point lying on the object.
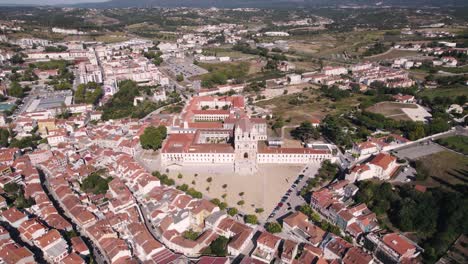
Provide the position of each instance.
(266, 3)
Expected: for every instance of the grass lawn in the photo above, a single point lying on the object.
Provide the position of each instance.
(313, 106)
(446, 169)
(457, 143)
(463, 69)
(227, 52)
(453, 91)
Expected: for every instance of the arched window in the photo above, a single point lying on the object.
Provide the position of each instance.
(246, 155)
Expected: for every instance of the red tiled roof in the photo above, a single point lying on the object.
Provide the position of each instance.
(383, 160)
(398, 243)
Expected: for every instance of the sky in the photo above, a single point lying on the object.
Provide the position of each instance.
(47, 2)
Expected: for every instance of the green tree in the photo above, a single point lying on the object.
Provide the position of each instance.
(153, 137)
(417, 132)
(232, 211)
(305, 132)
(96, 184)
(16, 90)
(218, 247)
(191, 235)
(251, 219)
(4, 136)
(273, 227)
(180, 78)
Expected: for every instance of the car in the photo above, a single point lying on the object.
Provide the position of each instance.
(289, 204)
(289, 191)
(301, 176)
(280, 205)
(297, 181)
(294, 185)
(289, 208)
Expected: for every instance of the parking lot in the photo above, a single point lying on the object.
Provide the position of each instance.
(419, 150)
(184, 67)
(292, 198)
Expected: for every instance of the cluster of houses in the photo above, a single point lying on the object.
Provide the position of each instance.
(362, 74)
(40, 226)
(334, 203)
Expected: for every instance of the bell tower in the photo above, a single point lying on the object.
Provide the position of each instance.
(246, 148)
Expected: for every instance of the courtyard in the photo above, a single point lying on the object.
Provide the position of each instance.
(261, 190)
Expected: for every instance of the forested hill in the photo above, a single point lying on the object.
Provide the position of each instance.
(268, 3)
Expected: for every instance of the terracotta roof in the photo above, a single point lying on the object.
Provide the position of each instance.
(213, 260)
(268, 240)
(356, 256)
(398, 243)
(72, 258)
(48, 238)
(383, 160)
(12, 215)
(13, 254)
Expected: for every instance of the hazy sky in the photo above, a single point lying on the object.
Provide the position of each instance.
(47, 2)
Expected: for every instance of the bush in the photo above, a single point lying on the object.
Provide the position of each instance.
(241, 202)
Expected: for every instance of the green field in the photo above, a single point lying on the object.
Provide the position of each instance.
(311, 105)
(453, 91)
(227, 52)
(457, 143)
(446, 169)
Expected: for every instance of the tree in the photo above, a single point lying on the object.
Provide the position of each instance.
(241, 202)
(251, 219)
(4, 135)
(417, 132)
(259, 210)
(96, 184)
(232, 211)
(16, 90)
(191, 235)
(11, 188)
(152, 137)
(218, 247)
(273, 227)
(89, 93)
(180, 78)
(305, 132)
(17, 58)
